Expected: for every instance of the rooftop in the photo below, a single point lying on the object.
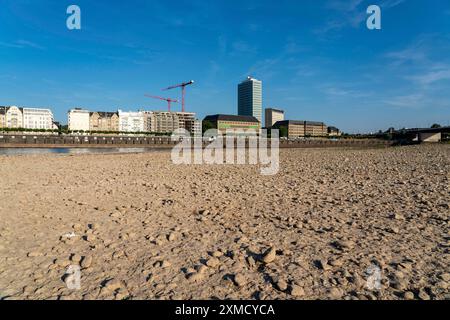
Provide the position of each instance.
(230, 117)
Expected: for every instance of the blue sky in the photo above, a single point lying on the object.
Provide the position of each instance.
(317, 59)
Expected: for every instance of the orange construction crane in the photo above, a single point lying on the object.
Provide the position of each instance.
(169, 100)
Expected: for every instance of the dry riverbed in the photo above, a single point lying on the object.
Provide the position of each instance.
(332, 224)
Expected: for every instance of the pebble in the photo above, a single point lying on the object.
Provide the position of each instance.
(445, 276)
(213, 262)
(282, 285)
(408, 295)
(423, 295)
(112, 285)
(296, 291)
(75, 258)
(86, 262)
(217, 254)
(195, 277)
(323, 264)
(240, 280)
(171, 236)
(90, 238)
(335, 293)
(269, 256)
(34, 254)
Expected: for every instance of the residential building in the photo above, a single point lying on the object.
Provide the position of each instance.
(103, 121)
(296, 129)
(130, 121)
(37, 118)
(334, 132)
(197, 128)
(273, 115)
(167, 122)
(250, 98)
(233, 123)
(2, 117)
(78, 119)
(14, 117)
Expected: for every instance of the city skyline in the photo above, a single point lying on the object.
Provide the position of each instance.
(319, 62)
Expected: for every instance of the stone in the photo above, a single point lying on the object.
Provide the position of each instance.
(445, 276)
(195, 277)
(112, 285)
(335, 293)
(281, 285)
(423, 295)
(240, 280)
(323, 264)
(165, 264)
(269, 256)
(75, 258)
(90, 238)
(217, 254)
(171, 236)
(86, 262)
(33, 254)
(296, 291)
(408, 295)
(213, 262)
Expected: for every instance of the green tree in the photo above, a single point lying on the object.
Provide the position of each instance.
(206, 125)
(436, 126)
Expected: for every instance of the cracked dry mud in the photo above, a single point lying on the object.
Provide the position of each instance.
(325, 227)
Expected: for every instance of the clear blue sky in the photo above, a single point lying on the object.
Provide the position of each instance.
(317, 59)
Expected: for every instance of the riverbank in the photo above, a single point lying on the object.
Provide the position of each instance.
(141, 227)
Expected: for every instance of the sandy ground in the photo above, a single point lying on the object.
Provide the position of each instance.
(332, 224)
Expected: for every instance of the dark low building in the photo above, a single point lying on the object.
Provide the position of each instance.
(231, 123)
(296, 128)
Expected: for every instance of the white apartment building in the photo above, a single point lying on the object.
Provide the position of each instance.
(131, 121)
(34, 118)
(14, 117)
(78, 119)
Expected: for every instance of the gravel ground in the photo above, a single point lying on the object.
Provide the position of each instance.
(332, 224)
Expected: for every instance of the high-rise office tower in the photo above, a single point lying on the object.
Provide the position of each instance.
(250, 98)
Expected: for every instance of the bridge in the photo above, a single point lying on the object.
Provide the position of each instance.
(422, 134)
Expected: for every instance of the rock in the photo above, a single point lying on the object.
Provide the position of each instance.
(445, 276)
(344, 244)
(282, 285)
(34, 254)
(213, 262)
(165, 264)
(111, 285)
(217, 254)
(251, 262)
(195, 277)
(423, 295)
(393, 230)
(335, 293)
(171, 236)
(337, 262)
(70, 279)
(86, 262)
(296, 291)
(90, 238)
(408, 295)
(323, 264)
(240, 280)
(202, 269)
(269, 256)
(75, 258)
